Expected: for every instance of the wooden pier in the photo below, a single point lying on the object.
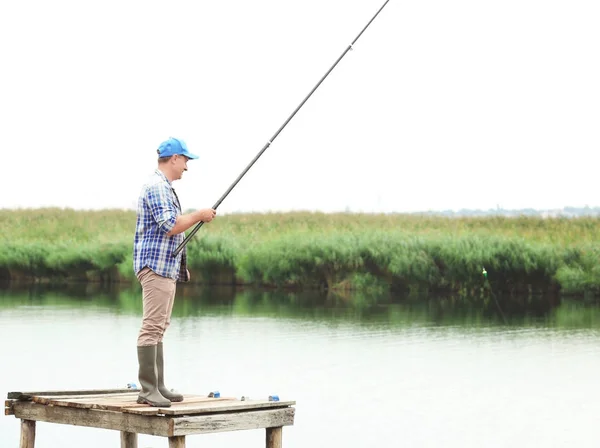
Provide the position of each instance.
(119, 411)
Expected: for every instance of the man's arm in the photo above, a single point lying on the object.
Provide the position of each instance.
(165, 214)
(184, 222)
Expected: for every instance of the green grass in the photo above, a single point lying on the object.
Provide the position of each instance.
(339, 251)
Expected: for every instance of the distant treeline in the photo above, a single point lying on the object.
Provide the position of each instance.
(567, 212)
(338, 251)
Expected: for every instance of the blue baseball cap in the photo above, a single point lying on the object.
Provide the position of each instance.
(174, 146)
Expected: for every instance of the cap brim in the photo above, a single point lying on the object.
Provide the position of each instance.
(189, 155)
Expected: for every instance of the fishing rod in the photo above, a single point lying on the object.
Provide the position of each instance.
(222, 198)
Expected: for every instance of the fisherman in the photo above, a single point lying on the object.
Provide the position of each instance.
(159, 230)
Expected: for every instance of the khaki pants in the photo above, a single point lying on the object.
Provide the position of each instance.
(158, 295)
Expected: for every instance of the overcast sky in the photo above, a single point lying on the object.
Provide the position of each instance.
(441, 104)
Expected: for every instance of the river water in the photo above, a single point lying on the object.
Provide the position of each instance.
(413, 373)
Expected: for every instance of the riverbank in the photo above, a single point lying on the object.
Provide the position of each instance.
(302, 250)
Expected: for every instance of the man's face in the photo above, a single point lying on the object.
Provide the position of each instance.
(179, 165)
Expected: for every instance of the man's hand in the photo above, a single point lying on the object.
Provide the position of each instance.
(184, 222)
(188, 275)
(208, 214)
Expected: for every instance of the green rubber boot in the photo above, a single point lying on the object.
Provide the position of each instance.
(160, 368)
(148, 377)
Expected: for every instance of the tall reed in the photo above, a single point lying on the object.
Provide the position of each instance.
(334, 251)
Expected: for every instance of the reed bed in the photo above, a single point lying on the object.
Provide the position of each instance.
(338, 251)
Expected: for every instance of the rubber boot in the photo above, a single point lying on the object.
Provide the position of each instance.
(149, 378)
(160, 368)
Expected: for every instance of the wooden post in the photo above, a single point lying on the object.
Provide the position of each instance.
(27, 434)
(177, 442)
(129, 439)
(274, 436)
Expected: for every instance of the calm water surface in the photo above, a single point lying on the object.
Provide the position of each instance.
(420, 373)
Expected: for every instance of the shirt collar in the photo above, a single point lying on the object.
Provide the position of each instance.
(160, 174)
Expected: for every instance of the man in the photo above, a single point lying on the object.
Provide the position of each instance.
(159, 230)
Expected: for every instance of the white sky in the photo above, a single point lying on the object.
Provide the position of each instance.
(441, 104)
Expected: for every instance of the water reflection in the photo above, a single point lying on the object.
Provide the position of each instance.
(358, 308)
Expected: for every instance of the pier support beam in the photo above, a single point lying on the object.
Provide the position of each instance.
(177, 442)
(129, 439)
(274, 436)
(27, 434)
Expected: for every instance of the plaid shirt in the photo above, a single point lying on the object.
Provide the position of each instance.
(157, 210)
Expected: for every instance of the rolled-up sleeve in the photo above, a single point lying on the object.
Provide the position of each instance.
(161, 206)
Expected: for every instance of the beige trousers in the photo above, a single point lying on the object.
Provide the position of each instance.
(158, 295)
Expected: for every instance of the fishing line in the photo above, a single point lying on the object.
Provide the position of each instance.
(487, 286)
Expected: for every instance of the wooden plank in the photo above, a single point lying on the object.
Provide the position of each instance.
(97, 400)
(155, 426)
(133, 399)
(85, 404)
(27, 395)
(129, 440)
(120, 404)
(27, 434)
(210, 408)
(177, 442)
(80, 402)
(203, 424)
(144, 409)
(111, 402)
(8, 407)
(274, 437)
(42, 398)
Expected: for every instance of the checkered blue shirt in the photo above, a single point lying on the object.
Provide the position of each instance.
(157, 210)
